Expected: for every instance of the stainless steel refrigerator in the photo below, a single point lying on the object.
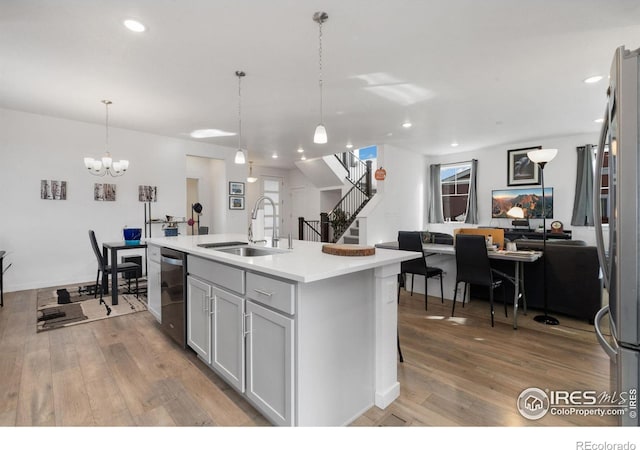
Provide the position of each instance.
(619, 251)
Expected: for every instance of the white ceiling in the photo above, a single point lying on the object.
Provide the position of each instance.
(482, 73)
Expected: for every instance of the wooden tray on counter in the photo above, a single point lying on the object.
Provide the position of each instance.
(348, 249)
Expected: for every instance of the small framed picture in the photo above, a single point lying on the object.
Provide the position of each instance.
(236, 188)
(520, 169)
(104, 192)
(53, 190)
(148, 193)
(236, 202)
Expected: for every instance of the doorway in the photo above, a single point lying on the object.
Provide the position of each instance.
(206, 184)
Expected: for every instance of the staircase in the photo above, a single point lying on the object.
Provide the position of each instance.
(343, 215)
(352, 236)
(338, 225)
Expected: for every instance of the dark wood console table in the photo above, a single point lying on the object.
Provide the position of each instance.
(513, 234)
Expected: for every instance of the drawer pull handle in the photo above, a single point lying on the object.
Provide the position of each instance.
(260, 291)
(247, 328)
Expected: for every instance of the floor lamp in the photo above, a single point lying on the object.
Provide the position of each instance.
(541, 158)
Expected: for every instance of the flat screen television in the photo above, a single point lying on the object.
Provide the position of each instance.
(529, 199)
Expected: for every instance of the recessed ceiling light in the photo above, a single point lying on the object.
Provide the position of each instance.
(210, 132)
(134, 25)
(407, 125)
(389, 134)
(303, 158)
(599, 120)
(274, 156)
(300, 150)
(349, 145)
(593, 79)
(454, 144)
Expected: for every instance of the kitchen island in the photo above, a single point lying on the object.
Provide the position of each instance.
(310, 339)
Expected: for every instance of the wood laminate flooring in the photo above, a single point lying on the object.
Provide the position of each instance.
(124, 371)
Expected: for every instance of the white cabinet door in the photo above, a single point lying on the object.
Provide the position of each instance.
(198, 317)
(270, 381)
(153, 289)
(227, 337)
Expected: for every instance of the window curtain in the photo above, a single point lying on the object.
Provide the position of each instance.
(583, 197)
(435, 195)
(472, 199)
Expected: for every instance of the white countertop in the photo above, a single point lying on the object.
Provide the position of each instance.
(305, 263)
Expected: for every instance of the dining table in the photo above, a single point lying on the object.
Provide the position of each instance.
(519, 258)
(110, 257)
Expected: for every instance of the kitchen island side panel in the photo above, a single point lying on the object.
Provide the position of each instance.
(335, 352)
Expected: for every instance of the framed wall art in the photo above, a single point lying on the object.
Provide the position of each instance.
(147, 193)
(520, 169)
(53, 190)
(236, 188)
(104, 192)
(236, 202)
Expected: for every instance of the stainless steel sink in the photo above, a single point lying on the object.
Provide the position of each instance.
(250, 251)
(221, 244)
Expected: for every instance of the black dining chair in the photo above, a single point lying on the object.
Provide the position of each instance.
(473, 267)
(133, 269)
(412, 241)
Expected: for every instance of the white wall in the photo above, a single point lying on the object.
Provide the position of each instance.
(492, 174)
(47, 240)
(399, 202)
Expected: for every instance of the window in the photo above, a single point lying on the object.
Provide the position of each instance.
(454, 182)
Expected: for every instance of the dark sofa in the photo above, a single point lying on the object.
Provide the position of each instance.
(574, 285)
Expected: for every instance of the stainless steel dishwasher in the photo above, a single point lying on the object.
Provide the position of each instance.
(173, 273)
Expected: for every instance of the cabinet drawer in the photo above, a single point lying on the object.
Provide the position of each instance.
(154, 253)
(223, 275)
(271, 292)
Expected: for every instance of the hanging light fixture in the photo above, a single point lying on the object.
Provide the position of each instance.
(106, 165)
(320, 136)
(251, 178)
(240, 159)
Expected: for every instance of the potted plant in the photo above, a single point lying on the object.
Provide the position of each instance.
(338, 221)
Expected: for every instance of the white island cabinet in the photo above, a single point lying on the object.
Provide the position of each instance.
(308, 338)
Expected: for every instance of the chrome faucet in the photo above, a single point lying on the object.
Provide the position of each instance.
(254, 215)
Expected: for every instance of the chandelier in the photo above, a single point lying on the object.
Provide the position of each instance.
(106, 165)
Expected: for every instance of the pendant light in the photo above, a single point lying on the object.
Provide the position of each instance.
(251, 178)
(106, 165)
(320, 136)
(240, 159)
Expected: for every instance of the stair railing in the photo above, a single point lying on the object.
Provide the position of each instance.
(346, 210)
(309, 230)
(356, 171)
